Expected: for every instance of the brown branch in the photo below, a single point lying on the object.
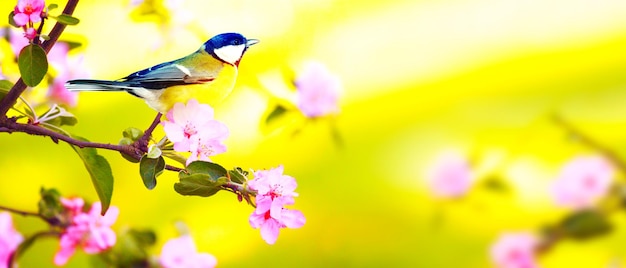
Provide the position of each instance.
(21, 212)
(10, 98)
(588, 141)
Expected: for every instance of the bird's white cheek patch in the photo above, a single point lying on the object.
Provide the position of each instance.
(230, 54)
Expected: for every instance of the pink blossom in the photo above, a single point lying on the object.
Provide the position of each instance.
(274, 191)
(28, 12)
(318, 90)
(270, 226)
(192, 129)
(10, 239)
(17, 41)
(91, 231)
(30, 33)
(74, 205)
(67, 68)
(514, 250)
(582, 182)
(181, 253)
(208, 142)
(450, 176)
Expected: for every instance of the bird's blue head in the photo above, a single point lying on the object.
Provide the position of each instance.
(228, 47)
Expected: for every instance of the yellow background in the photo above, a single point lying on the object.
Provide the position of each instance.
(483, 77)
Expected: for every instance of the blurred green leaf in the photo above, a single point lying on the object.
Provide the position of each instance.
(132, 133)
(585, 224)
(238, 175)
(278, 111)
(128, 141)
(5, 86)
(130, 249)
(174, 156)
(12, 21)
(33, 64)
(150, 168)
(52, 6)
(100, 172)
(66, 19)
(50, 206)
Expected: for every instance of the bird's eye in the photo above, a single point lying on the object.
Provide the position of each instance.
(236, 42)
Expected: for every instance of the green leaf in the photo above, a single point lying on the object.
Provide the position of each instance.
(201, 179)
(52, 6)
(198, 185)
(278, 111)
(66, 19)
(238, 175)
(150, 168)
(132, 133)
(33, 64)
(213, 170)
(12, 21)
(50, 205)
(585, 224)
(100, 172)
(5, 86)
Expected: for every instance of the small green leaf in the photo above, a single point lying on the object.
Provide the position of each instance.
(278, 111)
(585, 224)
(12, 21)
(66, 19)
(150, 169)
(198, 185)
(50, 205)
(213, 170)
(132, 133)
(100, 172)
(5, 86)
(238, 175)
(44, 37)
(52, 6)
(33, 64)
(201, 179)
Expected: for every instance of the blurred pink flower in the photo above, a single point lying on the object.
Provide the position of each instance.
(192, 129)
(10, 239)
(17, 40)
(450, 176)
(30, 33)
(181, 253)
(582, 182)
(274, 191)
(91, 231)
(514, 250)
(318, 90)
(67, 68)
(73, 205)
(28, 12)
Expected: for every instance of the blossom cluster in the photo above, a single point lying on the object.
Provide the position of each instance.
(191, 128)
(26, 14)
(274, 191)
(10, 239)
(88, 230)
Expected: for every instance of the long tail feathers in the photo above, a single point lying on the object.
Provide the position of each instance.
(95, 85)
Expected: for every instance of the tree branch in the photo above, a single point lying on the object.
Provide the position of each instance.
(10, 98)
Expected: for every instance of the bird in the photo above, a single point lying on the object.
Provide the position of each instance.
(207, 75)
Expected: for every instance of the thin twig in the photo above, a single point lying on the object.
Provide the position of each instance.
(10, 98)
(588, 141)
(21, 212)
